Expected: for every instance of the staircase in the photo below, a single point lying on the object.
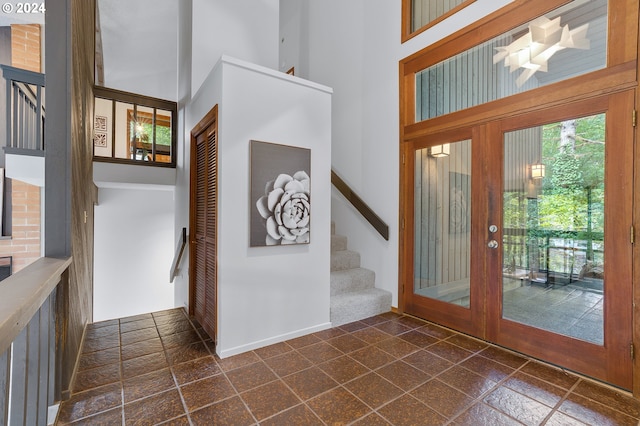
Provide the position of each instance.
(353, 292)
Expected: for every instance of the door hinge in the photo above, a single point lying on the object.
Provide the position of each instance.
(403, 158)
(633, 351)
(634, 117)
(402, 224)
(633, 235)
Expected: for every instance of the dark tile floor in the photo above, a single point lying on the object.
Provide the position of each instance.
(389, 369)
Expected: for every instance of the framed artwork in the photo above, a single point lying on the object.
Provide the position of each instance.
(280, 196)
(100, 123)
(100, 131)
(100, 139)
(459, 193)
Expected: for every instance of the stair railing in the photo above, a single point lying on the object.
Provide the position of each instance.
(33, 330)
(177, 257)
(24, 109)
(362, 207)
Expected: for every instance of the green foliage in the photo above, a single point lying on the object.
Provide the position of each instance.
(572, 196)
(163, 133)
(568, 203)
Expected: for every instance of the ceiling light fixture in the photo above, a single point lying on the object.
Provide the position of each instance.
(533, 50)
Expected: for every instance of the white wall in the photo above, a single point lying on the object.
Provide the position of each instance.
(185, 29)
(133, 252)
(245, 29)
(267, 294)
(139, 46)
(207, 29)
(294, 37)
(355, 48)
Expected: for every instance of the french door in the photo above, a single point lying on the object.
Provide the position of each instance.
(520, 233)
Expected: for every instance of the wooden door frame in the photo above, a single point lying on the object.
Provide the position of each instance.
(593, 357)
(468, 320)
(621, 74)
(209, 119)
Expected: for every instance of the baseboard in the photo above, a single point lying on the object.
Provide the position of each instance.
(272, 340)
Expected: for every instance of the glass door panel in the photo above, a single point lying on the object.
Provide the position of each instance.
(524, 266)
(553, 227)
(442, 228)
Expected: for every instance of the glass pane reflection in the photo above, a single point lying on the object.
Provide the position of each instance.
(553, 227)
(442, 222)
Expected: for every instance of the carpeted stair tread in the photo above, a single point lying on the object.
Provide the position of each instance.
(350, 280)
(354, 306)
(338, 242)
(344, 259)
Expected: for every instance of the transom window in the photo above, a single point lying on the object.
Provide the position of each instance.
(564, 43)
(418, 15)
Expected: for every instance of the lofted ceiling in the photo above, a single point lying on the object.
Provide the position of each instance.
(139, 46)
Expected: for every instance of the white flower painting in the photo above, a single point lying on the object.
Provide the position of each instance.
(285, 207)
(281, 194)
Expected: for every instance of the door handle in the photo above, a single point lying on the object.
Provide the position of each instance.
(493, 244)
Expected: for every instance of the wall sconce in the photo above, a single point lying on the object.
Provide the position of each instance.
(537, 171)
(544, 38)
(439, 150)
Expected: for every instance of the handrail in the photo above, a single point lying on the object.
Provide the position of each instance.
(24, 76)
(24, 108)
(178, 255)
(22, 294)
(360, 205)
(33, 324)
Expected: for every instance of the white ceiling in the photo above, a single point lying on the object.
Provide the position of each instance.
(139, 45)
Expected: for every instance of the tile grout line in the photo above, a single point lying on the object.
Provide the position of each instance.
(224, 373)
(173, 376)
(373, 325)
(121, 371)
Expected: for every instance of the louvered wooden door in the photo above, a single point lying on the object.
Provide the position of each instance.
(203, 206)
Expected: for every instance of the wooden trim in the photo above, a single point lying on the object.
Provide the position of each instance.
(362, 207)
(22, 294)
(510, 16)
(636, 253)
(133, 162)
(618, 244)
(608, 80)
(144, 101)
(621, 47)
(636, 246)
(192, 218)
(210, 119)
(619, 76)
(134, 98)
(206, 121)
(407, 18)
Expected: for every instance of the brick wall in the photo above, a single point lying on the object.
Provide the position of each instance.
(25, 46)
(24, 243)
